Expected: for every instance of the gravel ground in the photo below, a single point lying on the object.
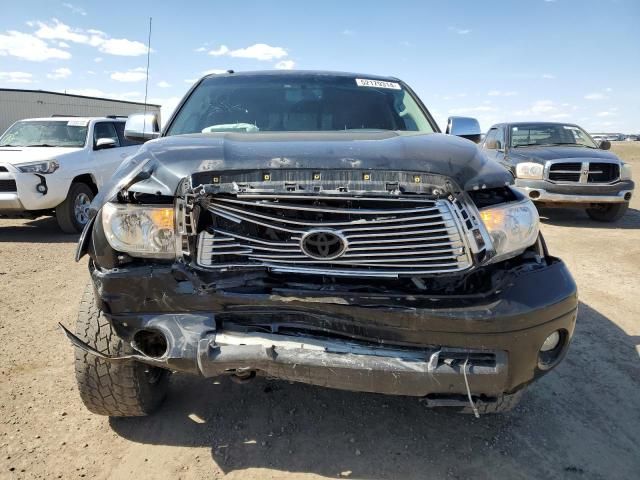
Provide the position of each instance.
(580, 421)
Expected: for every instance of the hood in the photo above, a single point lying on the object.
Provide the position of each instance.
(16, 155)
(170, 159)
(542, 154)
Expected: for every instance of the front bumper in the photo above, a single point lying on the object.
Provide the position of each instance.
(19, 191)
(394, 344)
(542, 191)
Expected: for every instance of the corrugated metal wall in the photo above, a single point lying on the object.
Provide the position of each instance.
(18, 104)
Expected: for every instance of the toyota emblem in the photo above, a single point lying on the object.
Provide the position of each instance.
(323, 244)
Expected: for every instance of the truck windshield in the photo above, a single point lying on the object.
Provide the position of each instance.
(281, 103)
(45, 133)
(549, 134)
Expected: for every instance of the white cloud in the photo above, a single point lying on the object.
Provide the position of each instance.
(605, 114)
(16, 77)
(91, 72)
(56, 30)
(556, 116)
(163, 84)
(259, 51)
(500, 93)
(608, 89)
(133, 75)
(29, 47)
(75, 9)
(595, 96)
(59, 31)
(285, 65)
(201, 49)
(460, 31)
(348, 32)
(548, 76)
(123, 47)
(218, 52)
(538, 108)
(543, 106)
(97, 59)
(64, 45)
(59, 73)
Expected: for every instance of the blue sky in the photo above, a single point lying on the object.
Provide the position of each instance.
(561, 60)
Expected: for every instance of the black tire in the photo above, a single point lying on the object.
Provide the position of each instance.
(65, 212)
(504, 403)
(128, 389)
(608, 212)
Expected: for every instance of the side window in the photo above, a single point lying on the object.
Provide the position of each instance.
(500, 139)
(105, 130)
(490, 139)
(123, 141)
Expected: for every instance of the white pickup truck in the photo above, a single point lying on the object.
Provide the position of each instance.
(58, 164)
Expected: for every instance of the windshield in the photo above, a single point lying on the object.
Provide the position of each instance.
(45, 133)
(549, 134)
(279, 103)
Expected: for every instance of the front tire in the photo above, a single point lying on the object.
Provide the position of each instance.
(607, 212)
(73, 213)
(128, 389)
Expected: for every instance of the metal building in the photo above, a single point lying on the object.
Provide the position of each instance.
(18, 104)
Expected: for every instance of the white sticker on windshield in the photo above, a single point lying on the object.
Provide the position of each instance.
(77, 123)
(363, 82)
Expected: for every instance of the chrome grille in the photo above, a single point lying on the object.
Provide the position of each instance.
(582, 172)
(382, 236)
(603, 172)
(565, 172)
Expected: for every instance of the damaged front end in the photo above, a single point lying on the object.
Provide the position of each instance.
(383, 281)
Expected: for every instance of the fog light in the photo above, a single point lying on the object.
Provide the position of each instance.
(551, 342)
(41, 188)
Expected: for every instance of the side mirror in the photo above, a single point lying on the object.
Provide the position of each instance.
(604, 145)
(491, 144)
(141, 127)
(103, 143)
(464, 127)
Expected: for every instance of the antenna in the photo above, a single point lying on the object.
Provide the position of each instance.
(146, 85)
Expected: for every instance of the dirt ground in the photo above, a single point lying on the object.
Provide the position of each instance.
(581, 421)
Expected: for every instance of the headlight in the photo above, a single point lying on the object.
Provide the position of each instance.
(49, 166)
(512, 226)
(140, 230)
(625, 171)
(529, 170)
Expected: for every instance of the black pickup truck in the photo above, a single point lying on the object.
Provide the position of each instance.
(560, 165)
(316, 227)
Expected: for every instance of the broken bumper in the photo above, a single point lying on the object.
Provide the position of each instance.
(421, 349)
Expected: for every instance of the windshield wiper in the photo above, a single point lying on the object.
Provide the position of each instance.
(10, 145)
(550, 145)
(572, 144)
(40, 145)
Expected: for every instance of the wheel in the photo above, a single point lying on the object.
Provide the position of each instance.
(129, 389)
(504, 403)
(607, 212)
(73, 213)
